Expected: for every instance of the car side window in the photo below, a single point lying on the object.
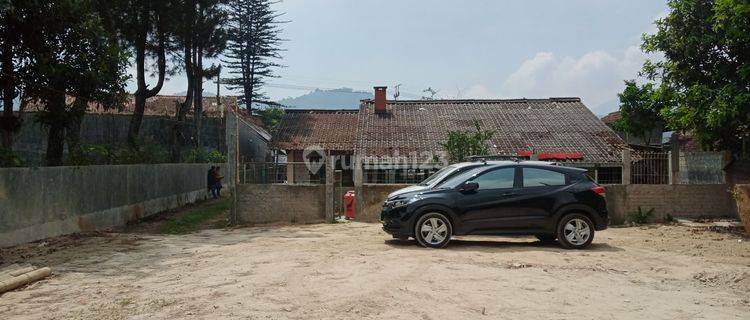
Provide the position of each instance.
(496, 179)
(533, 177)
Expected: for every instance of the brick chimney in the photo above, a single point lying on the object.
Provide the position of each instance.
(380, 93)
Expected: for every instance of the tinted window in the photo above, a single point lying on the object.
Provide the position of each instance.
(457, 179)
(533, 177)
(496, 179)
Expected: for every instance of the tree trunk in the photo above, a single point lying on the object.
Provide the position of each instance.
(56, 134)
(198, 103)
(182, 109)
(73, 126)
(143, 93)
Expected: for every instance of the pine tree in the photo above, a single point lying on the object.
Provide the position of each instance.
(254, 47)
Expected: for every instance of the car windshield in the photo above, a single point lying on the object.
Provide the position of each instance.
(458, 179)
(437, 176)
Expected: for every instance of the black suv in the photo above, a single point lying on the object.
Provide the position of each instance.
(512, 198)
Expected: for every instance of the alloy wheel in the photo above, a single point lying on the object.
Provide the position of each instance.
(577, 231)
(434, 231)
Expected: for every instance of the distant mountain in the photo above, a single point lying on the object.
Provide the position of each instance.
(343, 98)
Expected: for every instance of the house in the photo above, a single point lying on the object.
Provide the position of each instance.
(654, 138)
(407, 134)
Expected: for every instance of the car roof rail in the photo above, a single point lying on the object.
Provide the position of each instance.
(485, 158)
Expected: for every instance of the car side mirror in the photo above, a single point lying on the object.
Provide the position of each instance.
(469, 186)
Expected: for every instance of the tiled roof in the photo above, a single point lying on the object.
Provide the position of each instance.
(612, 117)
(539, 125)
(156, 106)
(329, 129)
(415, 127)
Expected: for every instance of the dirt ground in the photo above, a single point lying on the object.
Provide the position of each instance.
(354, 270)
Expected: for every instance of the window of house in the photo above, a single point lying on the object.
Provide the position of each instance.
(496, 179)
(533, 177)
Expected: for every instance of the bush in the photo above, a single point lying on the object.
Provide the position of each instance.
(99, 154)
(199, 155)
(641, 217)
(8, 158)
(88, 155)
(149, 153)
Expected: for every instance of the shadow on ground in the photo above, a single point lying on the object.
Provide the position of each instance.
(500, 244)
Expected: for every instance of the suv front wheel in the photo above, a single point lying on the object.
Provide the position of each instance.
(575, 231)
(433, 230)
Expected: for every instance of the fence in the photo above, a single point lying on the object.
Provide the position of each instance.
(392, 174)
(289, 172)
(648, 167)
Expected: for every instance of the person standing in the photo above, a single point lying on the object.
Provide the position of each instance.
(211, 181)
(217, 179)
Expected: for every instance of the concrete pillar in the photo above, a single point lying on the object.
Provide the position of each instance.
(358, 186)
(290, 167)
(626, 166)
(674, 161)
(330, 190)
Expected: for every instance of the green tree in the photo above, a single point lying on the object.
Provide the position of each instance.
(705, 44)
(147, 29)
(72, 61)
(200, 34)
(640, 107)
(254, 47)
(271, 115)
(463, 144)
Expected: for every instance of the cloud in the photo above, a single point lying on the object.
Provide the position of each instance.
(596, 77)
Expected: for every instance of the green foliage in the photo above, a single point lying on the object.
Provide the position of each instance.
(197, 218)
(640, 216)
(706, 65)
(640, 107)
(98, 154)
(271, 116)
(462, 144)
(254, 46)
(199, 155)
(9, 159)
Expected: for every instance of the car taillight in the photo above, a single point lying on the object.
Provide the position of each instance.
(599, 190)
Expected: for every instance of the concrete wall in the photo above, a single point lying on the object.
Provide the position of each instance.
(37, 203)
(711, 200)
(269, 203)
(374, 196)
(112, 129)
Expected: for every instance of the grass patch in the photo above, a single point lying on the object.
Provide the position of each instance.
(197, 218)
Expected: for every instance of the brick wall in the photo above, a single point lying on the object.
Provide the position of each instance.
(712, 200)
(269, 203)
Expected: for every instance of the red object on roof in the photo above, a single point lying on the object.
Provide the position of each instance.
(524, 153)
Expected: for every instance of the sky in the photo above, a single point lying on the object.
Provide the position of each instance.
(464, 49)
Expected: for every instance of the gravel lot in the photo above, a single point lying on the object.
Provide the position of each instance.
(354, 270)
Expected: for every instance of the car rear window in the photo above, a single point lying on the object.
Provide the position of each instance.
(533, 177)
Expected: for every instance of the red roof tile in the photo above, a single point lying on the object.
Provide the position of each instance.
(329, 129)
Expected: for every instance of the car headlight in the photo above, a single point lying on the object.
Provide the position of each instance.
(401, 202)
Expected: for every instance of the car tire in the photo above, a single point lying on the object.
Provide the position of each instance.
(575, 231)
(546, 238)
(425, 234)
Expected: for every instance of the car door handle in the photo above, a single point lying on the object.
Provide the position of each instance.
(508, 194)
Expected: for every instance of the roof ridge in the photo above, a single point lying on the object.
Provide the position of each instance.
(515, 100)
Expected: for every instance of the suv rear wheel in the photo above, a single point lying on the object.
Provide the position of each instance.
(575, 231)
(433, 230)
